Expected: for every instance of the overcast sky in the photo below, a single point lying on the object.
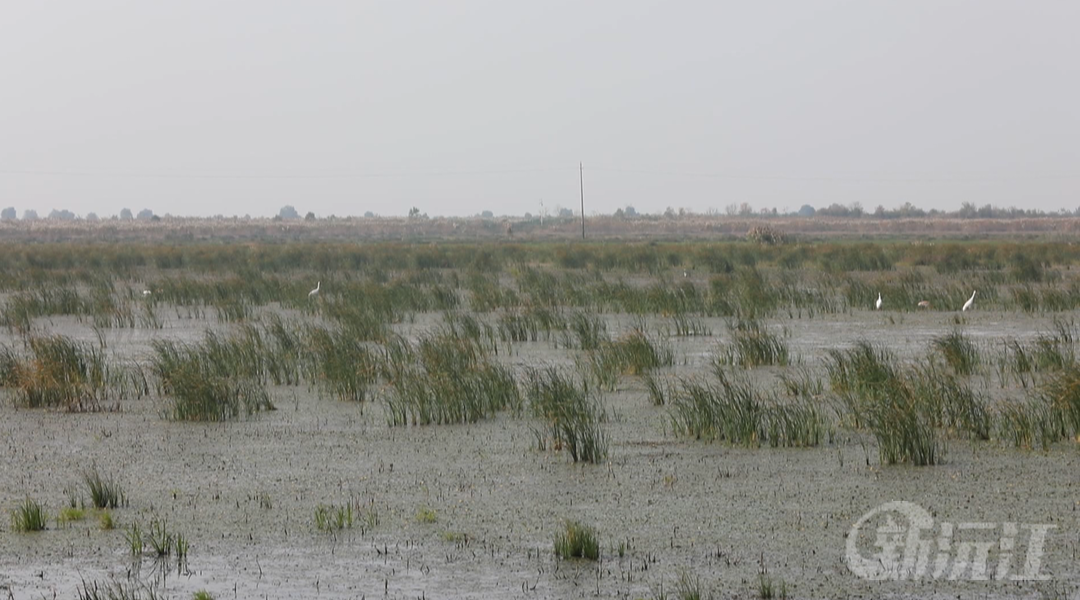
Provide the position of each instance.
(218, 107)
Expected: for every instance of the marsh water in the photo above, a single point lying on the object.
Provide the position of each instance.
(471, 511)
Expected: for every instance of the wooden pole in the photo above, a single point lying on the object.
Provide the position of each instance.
(581, 182)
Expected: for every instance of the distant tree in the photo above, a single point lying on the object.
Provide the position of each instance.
(91, 216)
(61, 215)
(566, 213)
(288, 212)
(630, 211)
(310, 216)
(369, 215)
(125, 214)
(745, 210)
(528, 216)
(8, 214)
(414, 212)
(487, 214)
(806, 211)
(145, 215)
(731, 209)
(29, 215)
(669, 213)
(620, 213)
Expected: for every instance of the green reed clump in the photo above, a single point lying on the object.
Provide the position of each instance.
(1051, 351)
(530, 324)
(487, 294)
(342, 365)
(362, 321)
(159, 539)
(904, 432)
(753, 345)
(198, 398)
(287, 350)
(217, 380)
(802, 384)
(959, 352)
(572, 415)
(950, 402)
(632, 354)
(518, 327)
(23, 307)
(590, 330)
(1029, 424)
(660, 390)
(1061, 393)
(688, 587)
(1016, 362)
(134, 538)
(734, 412)
(729, 411)
(1056, 349)
(29, 516)
(659, 298)
(70, 514)
(115, 590)
(9, 366)
(577, 541)
(446, 379)
(746, 293)
(419, 397)
(880, 396)
(860, 373)
(468, 326)
(690, 325)
(800, 425)
(104, 490)
(330, 518)
(60, 373)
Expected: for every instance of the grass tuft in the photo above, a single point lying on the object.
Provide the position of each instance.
(105, 491)
(577, 541)
(29, 516)
(572, 415)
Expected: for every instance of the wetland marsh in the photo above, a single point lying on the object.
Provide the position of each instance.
(430, 423)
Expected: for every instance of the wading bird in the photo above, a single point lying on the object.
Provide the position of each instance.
(877, 305)
(314, 292)
(924, 304)
(970, 303)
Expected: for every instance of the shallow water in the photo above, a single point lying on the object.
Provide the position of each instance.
(677, 506)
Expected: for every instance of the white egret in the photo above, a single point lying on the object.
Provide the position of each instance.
(314, 292)
(970, 303)
(924, 304)
(877, 305)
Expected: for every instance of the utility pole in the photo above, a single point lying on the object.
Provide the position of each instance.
(581, 182)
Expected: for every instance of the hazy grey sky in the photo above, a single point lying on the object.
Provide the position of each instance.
(218, 107)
